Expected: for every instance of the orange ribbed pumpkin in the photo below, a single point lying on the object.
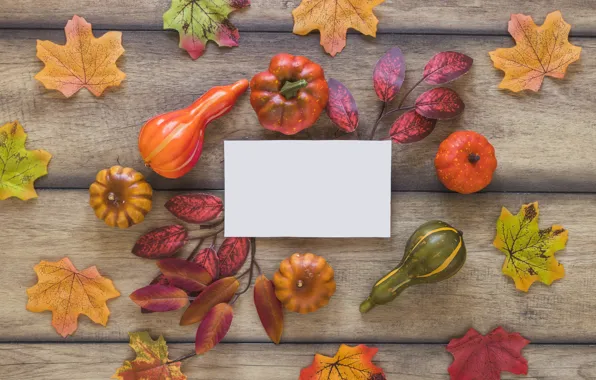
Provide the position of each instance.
(304, 283)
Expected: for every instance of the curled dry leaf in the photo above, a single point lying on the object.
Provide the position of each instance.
(411, 127)
(184, 274)
(389, 74)
(439, 103)
(19, 167)
(159, 298)
(207, 258)
(446, 66)
(341, 107)
(220, 291)
(349, 363)
(85, 61)
(195, 208)
(151, 363)
(484, 357)
(232, 254)
(214, 327)
(269, 308)
(161, 242)
(199, 21)
(67, 293)
(529, 251)
(539, 52)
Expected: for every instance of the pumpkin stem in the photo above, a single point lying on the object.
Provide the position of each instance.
(473, 158)
(290, 89)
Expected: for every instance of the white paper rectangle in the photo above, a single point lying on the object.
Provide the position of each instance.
(308, 188)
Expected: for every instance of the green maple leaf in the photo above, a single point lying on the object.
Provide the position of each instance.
(529, 251)
(199, 21)
(19, 167)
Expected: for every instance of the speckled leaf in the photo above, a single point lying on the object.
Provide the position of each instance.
(389, 74)
(184, 274)
(439, 103)
(207, 258)
(198, 21)
(19, 167)
(232, 254)
(214, 327)
(446, 66)
(220, 291)
(159, 298)
(269, 308)
(341, 107)
(411, 127)
(161, 242)
(195, 208)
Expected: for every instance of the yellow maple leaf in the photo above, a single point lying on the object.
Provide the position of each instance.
(539, 52)
(349, 363)
(66, 292)
(85, 61)
(333, 18)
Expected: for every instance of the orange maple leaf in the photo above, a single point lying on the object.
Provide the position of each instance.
(349, 363)
(66, 292)
(539, 52)
(85, 61)
(333, 18)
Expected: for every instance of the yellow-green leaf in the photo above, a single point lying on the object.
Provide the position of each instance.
(529, 250)
(19, 167)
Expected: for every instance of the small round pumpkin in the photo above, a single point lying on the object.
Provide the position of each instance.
(120, 196)
(304, 282)
(465, 162)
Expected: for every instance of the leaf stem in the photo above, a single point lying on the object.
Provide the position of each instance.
(374, 130)
(187, 356)
(253, 251)
(196, 250)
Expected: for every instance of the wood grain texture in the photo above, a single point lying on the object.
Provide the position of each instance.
(426, 16)
(544, 141)
(268, 362)
(60, 223)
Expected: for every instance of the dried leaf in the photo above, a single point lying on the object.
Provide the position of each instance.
(160, 298)
(185, 274)
(349, 363)
(484, 357)
(341, 107)
(67, 293)
(85, 61)
(214, 327)
(529, 251)
(151, 363)
(539, 52)
(198, 21)
(333, 18)
(161, 242)
(389, 74)
(269, 308)
(232, 254)
(207, 258)
(195, 208)
(439, 103)
(19, 167)
(220, 291)
(446, 66)
(411, 127)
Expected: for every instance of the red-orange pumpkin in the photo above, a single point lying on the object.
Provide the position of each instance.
(465, 162)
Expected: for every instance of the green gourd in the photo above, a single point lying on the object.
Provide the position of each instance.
(434, 252)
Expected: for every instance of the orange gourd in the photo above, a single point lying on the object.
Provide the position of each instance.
(120, 196)
(171, 143)
(304, 283)
(465, 162)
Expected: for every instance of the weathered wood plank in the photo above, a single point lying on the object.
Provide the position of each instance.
(459, 17)
(544, 141)
(268, 362)
(60, 223)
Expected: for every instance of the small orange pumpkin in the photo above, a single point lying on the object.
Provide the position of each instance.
(120, 196)
(304, 282)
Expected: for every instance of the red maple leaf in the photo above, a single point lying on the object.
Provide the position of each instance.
(484, 357)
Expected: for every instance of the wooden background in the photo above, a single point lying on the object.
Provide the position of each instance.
(545, 145)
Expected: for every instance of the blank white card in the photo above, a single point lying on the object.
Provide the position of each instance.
(308, 188)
